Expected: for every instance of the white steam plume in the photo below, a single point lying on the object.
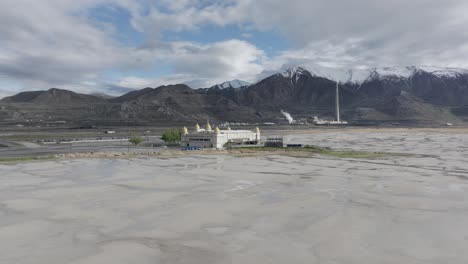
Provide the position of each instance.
(288, 117)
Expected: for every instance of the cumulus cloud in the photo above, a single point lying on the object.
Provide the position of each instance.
(367, 32)
(373, 33)
(49, 43)
(229, 59)
(200, 66)
(54, 43)
(183, 15)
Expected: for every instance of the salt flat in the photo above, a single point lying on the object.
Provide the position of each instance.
(224, 209)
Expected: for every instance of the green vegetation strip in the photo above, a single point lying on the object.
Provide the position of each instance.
(304, 152)
(27, 159)
(311, 150)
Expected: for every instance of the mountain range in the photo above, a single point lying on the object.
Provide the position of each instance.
(410, 95)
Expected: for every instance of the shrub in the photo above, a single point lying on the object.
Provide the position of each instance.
(135, 140)
(171, 136)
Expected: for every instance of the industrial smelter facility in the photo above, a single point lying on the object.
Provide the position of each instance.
(216, 138)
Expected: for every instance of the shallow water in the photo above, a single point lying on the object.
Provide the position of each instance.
(208, 209)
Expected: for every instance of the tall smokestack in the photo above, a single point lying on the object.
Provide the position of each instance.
(337, 102)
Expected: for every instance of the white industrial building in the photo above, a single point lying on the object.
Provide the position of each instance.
(216, 138)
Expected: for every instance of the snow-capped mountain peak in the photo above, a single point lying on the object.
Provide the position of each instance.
(295, 71)
(442, 71)
(232, 84)
(360, 75)
(407, 72)
(336, 74)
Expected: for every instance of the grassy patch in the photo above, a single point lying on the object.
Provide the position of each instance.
(14, 160)
(358, 154)
(312, 150)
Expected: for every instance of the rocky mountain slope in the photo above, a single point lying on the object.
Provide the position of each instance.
(53, 96)
(412, 95)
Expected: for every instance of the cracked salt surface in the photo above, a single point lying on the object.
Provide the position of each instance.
(208, 209)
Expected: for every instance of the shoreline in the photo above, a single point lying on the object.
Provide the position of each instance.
(323, 137)
(306, 152)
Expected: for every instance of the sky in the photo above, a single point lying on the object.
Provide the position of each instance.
(113, 46)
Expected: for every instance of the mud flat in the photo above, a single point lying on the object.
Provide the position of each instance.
(255, 209)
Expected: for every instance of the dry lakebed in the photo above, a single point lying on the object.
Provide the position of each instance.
(272, 208)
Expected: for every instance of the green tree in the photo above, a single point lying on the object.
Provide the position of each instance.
(135, 140)
(228, 145)
(171, 136)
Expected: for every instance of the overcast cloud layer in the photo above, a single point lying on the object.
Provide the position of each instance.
(60, 43)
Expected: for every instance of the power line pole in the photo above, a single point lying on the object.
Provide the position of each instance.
(337, 102)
